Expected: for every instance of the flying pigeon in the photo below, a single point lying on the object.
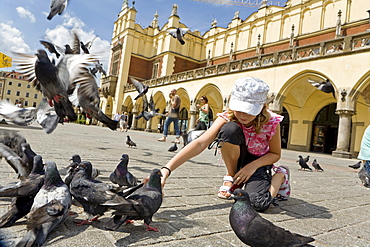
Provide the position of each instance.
(317, 166)
(140, 87)
(178, 33)
(98, 67)
(57, 7)
(149, 110)
(87, 97)
(92, 194)
(254, 230)
(143, 204)
(129, 142)
(364, 176)
(121, 175)
(324, 86)
(12, 158)
(52, 48)
(303, 164)
(23, 193)
(85, 47)
(44, 114)
(356, 166)
(50, 208)
(173, 148)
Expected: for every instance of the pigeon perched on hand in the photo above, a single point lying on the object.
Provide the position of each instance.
(317, 166)
(57, 7)
(121, 175)
(129, 142)
(303, 164)
(254, 230)
(143, 204)
(50, 208)
(356, 166)
(140, 87)
(178, 33)
(324, 86)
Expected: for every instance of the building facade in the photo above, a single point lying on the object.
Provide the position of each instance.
(284, 46)
(15, 88)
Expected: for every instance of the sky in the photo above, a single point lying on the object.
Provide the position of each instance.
(23, 23)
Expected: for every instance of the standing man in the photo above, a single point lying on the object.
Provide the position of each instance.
(172, 116)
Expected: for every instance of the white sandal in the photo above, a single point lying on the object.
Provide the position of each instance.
(225, 188)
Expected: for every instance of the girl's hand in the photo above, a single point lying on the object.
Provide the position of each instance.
(244, 174)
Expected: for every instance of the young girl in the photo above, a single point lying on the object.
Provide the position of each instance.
(249, 138)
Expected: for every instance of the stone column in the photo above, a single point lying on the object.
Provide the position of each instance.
(193, 116)
(134, 120)
(344, 130)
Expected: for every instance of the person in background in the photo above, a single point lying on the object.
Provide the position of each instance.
(203, 119)
(172, 116)
(248, 135)
(116, 116)
(159, 128)
(123, 122)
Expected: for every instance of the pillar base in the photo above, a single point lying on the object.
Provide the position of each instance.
(341, 154)
(148, 130)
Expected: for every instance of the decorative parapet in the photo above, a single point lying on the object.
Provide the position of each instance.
(338, 46)
(109, 84)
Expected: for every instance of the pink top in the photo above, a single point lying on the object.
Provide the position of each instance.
(258, 144)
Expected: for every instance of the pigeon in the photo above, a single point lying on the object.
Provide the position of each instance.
(23, 193)
(92, 194)
(52, 48)
(324, 86)
(22, 168)
(87, 97)
(254, 230)
(85, 47)
(364, 176)
(356, 166)
(317, 166)
(140, 87)
(72, 169)
(98, 67)
(173, 148)
(121, 175)
(306, 159)
(149, 110)
(303, 164)
(178, 33)
(57, 7)
(50, 208)
(44, 114)
(191, 136)
(143, 204)
(129, 142)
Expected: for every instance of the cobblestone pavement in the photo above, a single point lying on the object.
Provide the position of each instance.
(332, 206)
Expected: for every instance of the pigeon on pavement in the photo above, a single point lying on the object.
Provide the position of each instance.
(254, 230)
(324, 86)
(50, 208)
(23, 193)
(356, 166)
(317, 166)
(129, 142)
(178, 33)
(92, 194)
(303, 164)
(57, 7)
(121, 175)
(364, 176)
(143, 204)
(140, 87)
(173, 148)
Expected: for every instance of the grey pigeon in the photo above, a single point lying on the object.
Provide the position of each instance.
(140, 87)
(85, 47)
(129, 142)
(173, 148)
(50, 208)
(92, 194)
(324, 86)
(256, 231)
(303, 164)
(23, 193)
(356, 166)
(87, 97)
(307, 158)
(57, 7)
(317, 166)
(121, 175)
(364, 176)
(98, 67)
(52, 48)
(152, 110)
(22, 168)
(191, 136)
(178, 33)
(44, 114)
(143, 204)
(75, 160)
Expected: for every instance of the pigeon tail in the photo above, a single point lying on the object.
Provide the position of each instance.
(106, 120)
(114, 223)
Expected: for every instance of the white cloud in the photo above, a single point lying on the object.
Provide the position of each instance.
(24, 13)
(11, 39)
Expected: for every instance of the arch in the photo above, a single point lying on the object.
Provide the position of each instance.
(214, 97)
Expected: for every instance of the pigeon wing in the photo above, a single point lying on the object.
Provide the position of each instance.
(172, 32)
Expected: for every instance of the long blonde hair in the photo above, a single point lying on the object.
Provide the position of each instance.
(262, 118)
